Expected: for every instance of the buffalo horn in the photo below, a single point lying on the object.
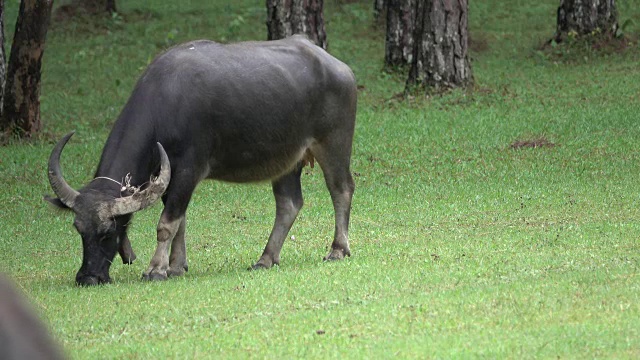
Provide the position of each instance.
(148, 196)
(63, 191)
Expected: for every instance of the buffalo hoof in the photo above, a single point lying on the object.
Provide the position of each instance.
(155, 276)
(265, 262)
(337, 254)
(178, 271)
(87, 280)
(258, 266)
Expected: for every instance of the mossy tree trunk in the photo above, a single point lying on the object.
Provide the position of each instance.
(289, 17)
(583, 17)
(441, 50)
(401, 16)
(21, 106)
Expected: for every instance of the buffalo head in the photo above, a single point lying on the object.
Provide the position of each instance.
(99, 215)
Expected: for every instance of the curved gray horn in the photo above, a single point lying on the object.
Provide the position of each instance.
(148, 196)
(63, 191)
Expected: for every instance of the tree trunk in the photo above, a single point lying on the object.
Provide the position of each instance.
(379, 6)
(3, 57)
(399, 41)
(441, 51)
(111, 6)
(21, 108)
(288, 17)
(582, 17)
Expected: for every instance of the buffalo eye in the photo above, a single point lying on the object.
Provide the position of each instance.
(107, 229)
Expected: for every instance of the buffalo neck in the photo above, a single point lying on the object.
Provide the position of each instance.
(130, 152)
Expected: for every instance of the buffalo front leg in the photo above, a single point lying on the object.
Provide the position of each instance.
(288, 194)
(171, 228)
(167, 230)
(178, 258)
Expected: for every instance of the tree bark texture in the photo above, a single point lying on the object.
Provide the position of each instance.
(399, 40)
(21, 108)
(585, 17)
(289, 17)
(378, 8)
(3, 57)
(441, 49)
(111, 6)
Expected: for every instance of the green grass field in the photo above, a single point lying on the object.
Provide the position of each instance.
(463, 247)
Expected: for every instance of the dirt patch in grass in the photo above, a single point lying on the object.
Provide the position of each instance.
(540, 142)
(574, 48)
(89, 20)
(478, 42)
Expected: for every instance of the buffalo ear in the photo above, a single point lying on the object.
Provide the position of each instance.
(56, 202)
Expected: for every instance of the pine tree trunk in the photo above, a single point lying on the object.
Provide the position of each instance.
(21, 108)
(379, 7)
(582, 17)
(111, 6)
(399, 39)
(441, 52)
(289, 17)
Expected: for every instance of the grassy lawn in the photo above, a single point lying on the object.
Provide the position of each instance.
(463, 246)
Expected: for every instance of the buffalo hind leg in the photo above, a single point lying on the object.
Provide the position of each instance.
(334, 160)
(288, 194)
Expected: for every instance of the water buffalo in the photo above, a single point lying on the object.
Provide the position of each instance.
(244, 112)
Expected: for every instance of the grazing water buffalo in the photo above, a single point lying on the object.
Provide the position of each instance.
(244, 112)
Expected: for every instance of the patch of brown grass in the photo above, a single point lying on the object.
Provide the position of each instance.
(575, 48)
(478, 42)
